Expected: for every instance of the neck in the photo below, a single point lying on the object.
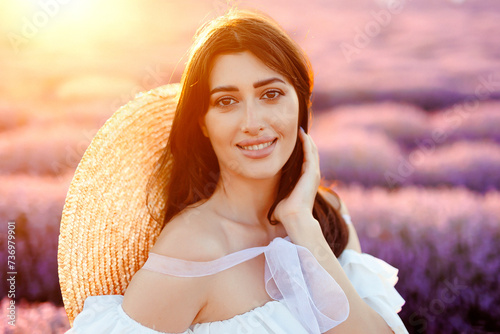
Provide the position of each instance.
(243, 200)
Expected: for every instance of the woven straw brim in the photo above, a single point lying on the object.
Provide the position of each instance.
(106, 231)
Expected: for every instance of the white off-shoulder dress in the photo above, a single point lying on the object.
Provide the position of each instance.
(306, 299)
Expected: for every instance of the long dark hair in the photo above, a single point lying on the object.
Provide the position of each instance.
(188, 170)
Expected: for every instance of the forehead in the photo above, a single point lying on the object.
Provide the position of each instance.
(240, 69)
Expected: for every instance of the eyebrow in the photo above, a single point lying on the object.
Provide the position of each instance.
(255, 85)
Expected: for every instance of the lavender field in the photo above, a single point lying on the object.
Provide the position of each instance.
(406, 118)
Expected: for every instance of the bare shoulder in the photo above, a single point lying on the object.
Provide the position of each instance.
(334, 199)
(330, 196)
(169, 303)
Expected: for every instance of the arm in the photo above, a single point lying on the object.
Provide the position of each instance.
(295, 213)
(362, 318)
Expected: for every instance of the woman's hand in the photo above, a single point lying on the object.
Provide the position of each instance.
(298, 206)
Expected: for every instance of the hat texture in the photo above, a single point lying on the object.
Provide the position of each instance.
(106, 230)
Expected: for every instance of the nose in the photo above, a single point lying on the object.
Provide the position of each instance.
(253, 119)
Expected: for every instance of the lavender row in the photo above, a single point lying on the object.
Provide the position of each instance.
(408, 125)
(372, 159)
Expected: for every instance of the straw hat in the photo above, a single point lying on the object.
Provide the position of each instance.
(106, 231)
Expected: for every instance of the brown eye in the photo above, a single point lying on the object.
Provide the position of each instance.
(225, 101)
(272, 94)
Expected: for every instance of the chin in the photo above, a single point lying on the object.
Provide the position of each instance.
(264, 174)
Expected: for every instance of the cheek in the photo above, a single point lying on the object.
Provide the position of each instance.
(212, 125)
(286, 118)
(218, 128)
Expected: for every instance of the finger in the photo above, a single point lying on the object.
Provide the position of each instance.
(311, 142)
(306, 149)
(305, 142)
(311, 157)
(310, 165)
(310, 148)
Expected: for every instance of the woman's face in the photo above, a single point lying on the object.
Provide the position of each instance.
(252, 118)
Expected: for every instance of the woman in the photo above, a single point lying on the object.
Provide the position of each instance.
(242, 182)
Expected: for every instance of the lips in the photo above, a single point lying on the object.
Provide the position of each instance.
(257, 141)
(256, 147)
(258, 151)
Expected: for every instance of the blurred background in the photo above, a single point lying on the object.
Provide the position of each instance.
(406, 118)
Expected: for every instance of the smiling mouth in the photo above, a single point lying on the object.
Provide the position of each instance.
(258, 147)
